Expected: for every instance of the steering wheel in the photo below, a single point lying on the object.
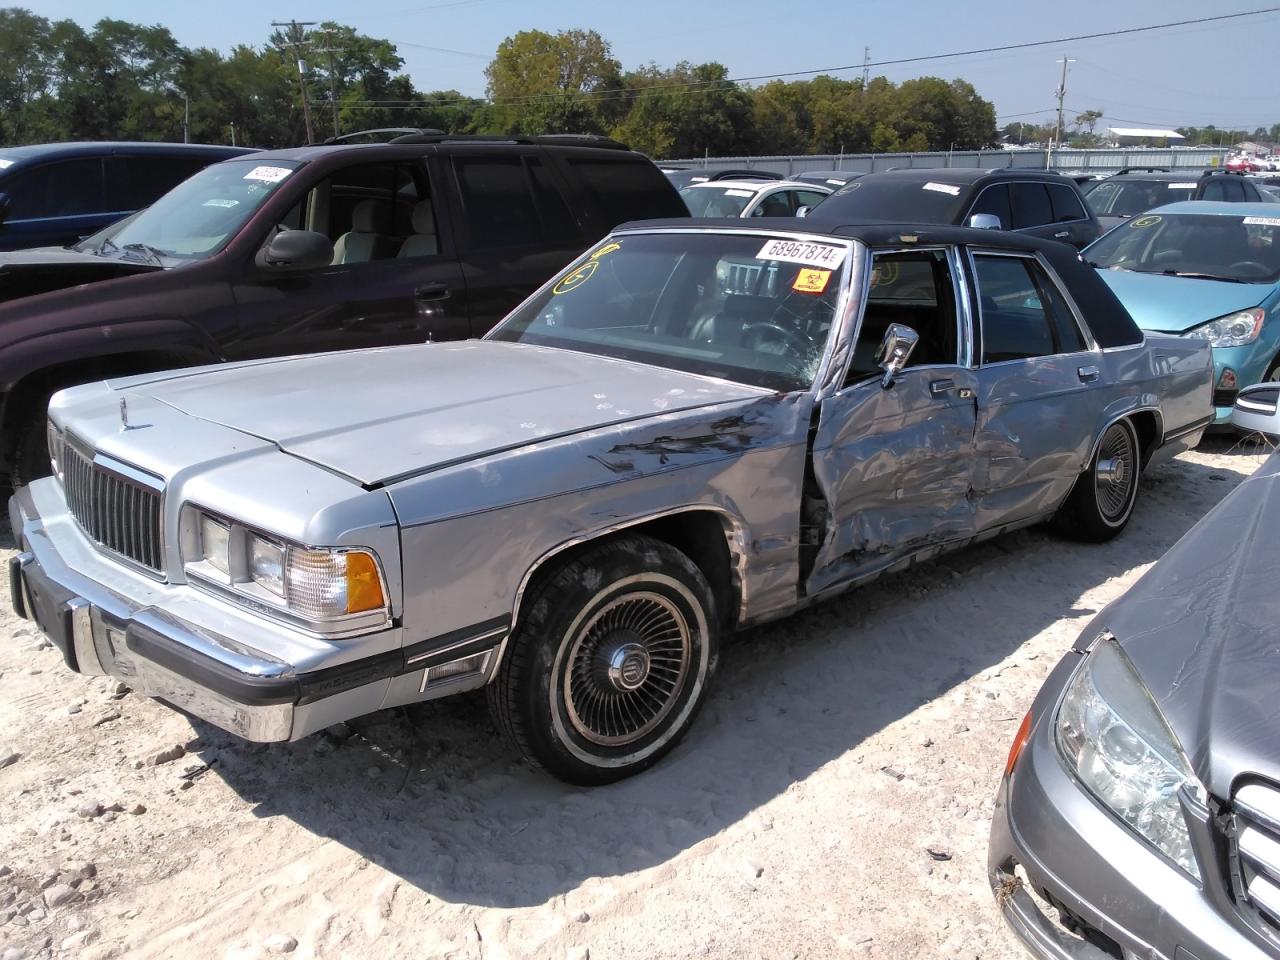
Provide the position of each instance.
(755, 335)
(1247, 267)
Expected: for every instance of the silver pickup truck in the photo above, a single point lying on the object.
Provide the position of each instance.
(691, 429)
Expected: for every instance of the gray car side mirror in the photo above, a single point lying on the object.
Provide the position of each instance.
(297, 250)
(895, 350)
(984, 221)
(803, 211)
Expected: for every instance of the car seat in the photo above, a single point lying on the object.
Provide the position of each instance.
(369, 237)
(422, 242)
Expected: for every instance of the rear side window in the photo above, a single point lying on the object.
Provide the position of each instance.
(1031, 207)
(137, 182)
(66, 188)
(1016, 321)
(627, 189)
(510, 201)
(995, 201)
(1066, 204)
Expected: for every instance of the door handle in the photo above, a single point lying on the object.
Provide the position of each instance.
(938, 387)
(1062, 234)
(1088, 374)
(432, 291)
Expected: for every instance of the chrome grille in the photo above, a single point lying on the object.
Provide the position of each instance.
(1255, 851)
(118, 513)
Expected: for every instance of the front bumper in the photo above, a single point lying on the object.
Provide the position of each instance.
(1115, 890)
(260, 680)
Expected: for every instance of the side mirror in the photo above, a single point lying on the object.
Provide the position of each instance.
(895, 350)
(984, 221)
(6, 207)
(803, 211)
(297, 250)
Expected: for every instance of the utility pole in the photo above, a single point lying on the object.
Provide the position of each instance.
(296, 41)
(333, 75)
(866, 68)
(1062, 93)
(186, 118)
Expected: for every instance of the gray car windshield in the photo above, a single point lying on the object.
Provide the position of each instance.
(751, 309)
(1204, 246)
(198, 217)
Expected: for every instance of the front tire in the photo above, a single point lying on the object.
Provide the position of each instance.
(610, 664)
(1101, 502)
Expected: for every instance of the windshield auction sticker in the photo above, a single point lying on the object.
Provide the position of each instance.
(947, 188)
(802, 252)
(811, 281)
(577, 278)
(1262, 221)
(267, 174)
(1148, 221)
(1182, 186)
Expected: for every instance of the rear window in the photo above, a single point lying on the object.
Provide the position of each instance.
(627, 189)
(891, 198)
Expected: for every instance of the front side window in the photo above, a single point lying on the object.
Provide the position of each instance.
(753, 309)
(994, 200)
(1202, 246)
(914, 289)
(1016, 313)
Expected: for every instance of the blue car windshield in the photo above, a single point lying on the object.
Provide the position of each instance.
(198, 217)
(752, 309)
(1241, 249)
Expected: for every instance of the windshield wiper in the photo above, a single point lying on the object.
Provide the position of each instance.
(1203, 276)
(154, 253)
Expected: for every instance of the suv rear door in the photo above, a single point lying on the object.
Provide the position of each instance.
(55, 202)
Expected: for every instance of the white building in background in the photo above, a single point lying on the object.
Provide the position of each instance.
(1144, 137)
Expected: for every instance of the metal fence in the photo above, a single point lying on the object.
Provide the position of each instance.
(1099, 161)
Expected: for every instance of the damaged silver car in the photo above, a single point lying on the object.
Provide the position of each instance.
(690, 430)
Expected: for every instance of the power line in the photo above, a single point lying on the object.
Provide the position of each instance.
(612, 95)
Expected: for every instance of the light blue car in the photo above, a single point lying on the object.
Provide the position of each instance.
(1205, 270)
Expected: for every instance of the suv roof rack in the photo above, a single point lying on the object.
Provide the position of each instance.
(381, 134)
(565, 139)
(1221, 172)
(1124, 170)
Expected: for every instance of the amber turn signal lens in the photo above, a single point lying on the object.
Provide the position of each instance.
(364, 586)
(1019, 743)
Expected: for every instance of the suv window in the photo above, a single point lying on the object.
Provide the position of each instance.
(67, 188)
(135, 182)
(914, 289)
(624, 189)
(1066, 204)
(1031, 207)
(498, 196)
(1017, 322)
(367, 210)
(995, 200)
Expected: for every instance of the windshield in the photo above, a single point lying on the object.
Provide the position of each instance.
(902, 200)
(196, 218)
(1206, 246)
(716, 201)
(1125, 198)
(752, 309)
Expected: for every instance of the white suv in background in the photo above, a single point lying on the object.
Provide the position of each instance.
(749, 198)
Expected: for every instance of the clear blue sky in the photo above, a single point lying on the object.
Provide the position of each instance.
(1227, 73)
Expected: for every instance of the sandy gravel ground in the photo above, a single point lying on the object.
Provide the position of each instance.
(833, 799)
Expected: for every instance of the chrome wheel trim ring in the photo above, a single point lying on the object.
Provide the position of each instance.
(1115, 474)
(675, 719)
(627, 668)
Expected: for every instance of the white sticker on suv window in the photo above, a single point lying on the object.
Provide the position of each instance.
(1262, 221)
(1182, 186)
(218, 202)
(268, 174)
(739, 193)
(947, 188)
(801, 251)
(5, 164)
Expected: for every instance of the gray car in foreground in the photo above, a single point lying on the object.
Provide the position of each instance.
(689, 430)
(1142, 797)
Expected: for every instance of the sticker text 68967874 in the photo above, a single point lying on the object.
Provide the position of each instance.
(803, 252)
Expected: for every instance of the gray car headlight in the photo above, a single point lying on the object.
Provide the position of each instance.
(1233, 330)
(334, 587)
(1122, 751)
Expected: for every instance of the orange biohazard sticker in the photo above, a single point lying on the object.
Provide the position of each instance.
(811, 281)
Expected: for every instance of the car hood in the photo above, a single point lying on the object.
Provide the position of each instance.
(1157, 301)
(1201, 630)
(25, 273)
(376, 416)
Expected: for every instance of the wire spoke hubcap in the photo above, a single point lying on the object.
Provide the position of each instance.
(627, 668)
(1114, 473)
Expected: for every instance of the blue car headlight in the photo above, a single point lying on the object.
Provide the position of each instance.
(1233, 330)
(1121, 749)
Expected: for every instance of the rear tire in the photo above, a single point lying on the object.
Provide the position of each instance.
(609, 663)
(1101, 502)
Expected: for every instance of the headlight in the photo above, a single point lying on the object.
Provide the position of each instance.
(324, 587)
(1116, 740)
(53, 437)
(1233, 330)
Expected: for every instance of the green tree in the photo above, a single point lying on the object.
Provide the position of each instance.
(540, 82)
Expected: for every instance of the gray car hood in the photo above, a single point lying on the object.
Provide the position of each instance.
(1203, 630)
(379, 415)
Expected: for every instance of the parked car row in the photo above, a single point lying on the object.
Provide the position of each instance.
(681, 427)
